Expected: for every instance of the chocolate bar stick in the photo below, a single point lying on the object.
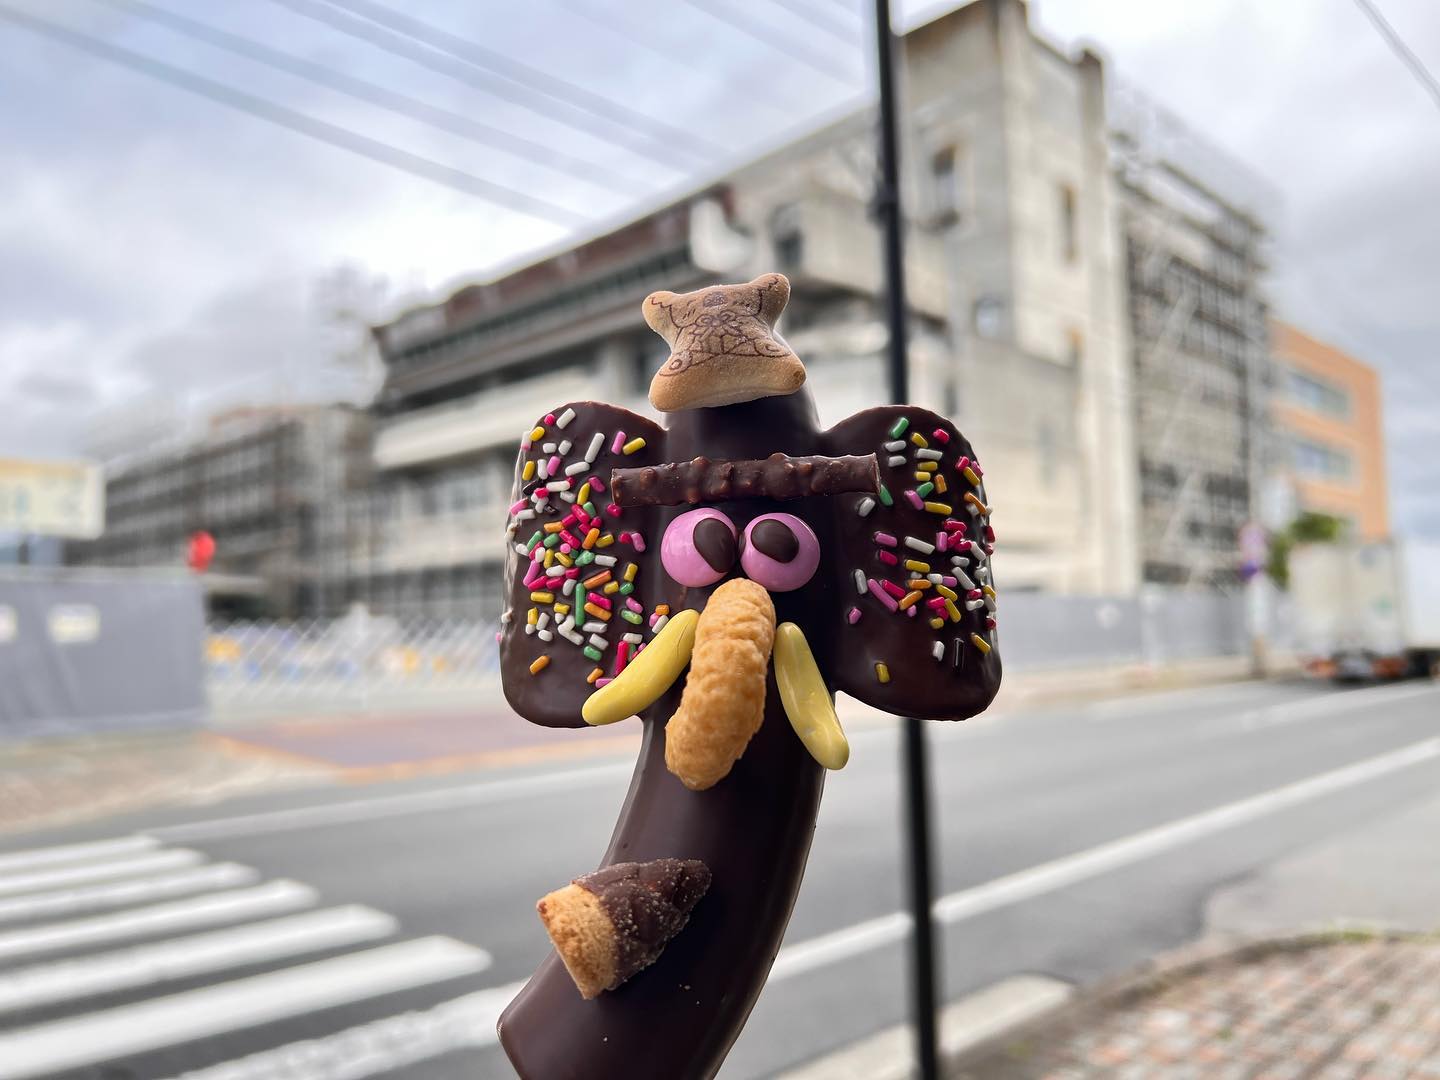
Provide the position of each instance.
(776, 477)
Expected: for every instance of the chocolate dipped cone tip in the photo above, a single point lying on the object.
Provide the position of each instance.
(611, 924)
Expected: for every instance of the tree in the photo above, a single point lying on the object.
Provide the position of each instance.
(1309, 527)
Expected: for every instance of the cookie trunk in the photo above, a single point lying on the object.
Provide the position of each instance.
(677, 1019)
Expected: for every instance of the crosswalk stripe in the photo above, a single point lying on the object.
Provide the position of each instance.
(185, 957)
(63, 853)
(381, 1046)
(130, 891)
(271, 898)
(243, 1003)
(98, 871)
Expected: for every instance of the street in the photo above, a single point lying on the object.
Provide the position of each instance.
(377, 929)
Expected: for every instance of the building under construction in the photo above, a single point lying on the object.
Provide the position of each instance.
(1194, 238)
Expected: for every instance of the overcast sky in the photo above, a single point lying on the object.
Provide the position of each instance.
(161, 253)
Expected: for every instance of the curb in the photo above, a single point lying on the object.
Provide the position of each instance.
(972, 1022)
(1160, 972)
(974, 1027)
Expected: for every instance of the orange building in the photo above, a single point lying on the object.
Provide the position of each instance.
(1327, 410)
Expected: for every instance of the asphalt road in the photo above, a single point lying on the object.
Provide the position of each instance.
(377, 930)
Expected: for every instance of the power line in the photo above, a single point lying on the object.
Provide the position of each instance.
(823, 20)
(616, 19)
(757, 29)
(321, 130)
(477, 131)
(390, 29)
(1397, 45)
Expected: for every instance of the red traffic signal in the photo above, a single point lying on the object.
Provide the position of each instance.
(201, 551)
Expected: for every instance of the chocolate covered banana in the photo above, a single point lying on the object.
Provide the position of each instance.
(723, 577)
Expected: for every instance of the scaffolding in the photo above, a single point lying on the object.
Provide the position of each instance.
(1195, 234)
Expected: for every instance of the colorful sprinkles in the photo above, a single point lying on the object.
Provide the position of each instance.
(942, 572)
(576, 587)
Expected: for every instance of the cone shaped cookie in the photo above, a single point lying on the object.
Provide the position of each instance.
(608, 925)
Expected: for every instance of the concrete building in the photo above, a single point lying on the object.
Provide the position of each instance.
(1016, 276)
(1194, 243)
(1328, 418)
(266, 483)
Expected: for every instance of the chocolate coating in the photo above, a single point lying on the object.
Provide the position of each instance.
(707, 480)
(677, 1019)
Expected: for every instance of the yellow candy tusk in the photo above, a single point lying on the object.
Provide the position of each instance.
(646, 677)
(807, 699)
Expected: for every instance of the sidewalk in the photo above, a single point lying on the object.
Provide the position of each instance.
(1322, 1007)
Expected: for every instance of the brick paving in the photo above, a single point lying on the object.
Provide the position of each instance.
(1323, 1010)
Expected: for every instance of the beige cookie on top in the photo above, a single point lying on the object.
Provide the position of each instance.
(723, 702)
(724, 348)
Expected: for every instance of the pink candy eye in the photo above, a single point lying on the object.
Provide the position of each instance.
(779, 551)
(698, 547)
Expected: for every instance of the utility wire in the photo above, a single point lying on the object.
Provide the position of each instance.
(814, 59)
(616, 19)
(825, 21)
(1397, 45)
(586, 108)
(321, 130)
(475, 130)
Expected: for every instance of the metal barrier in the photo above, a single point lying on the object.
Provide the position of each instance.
(364, 660)
(359, 660)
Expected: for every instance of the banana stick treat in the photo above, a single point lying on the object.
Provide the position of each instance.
(721, 578)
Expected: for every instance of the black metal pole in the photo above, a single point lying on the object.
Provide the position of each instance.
(916, 768)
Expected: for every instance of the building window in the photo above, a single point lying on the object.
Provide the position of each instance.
(1319, 461)
(789, 250)
(1316, 395)
(947, 185)
(788, 237)
(989, 317)
(1069, 237)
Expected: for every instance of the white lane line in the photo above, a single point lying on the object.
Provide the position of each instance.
(381, 1046)
(131, 891)
(271, 898)
(1332, 704)
(419, 802)
(197, 954)
(63, 853)
(98, 871)
(1133, 706)
(1081, 866)
(232, 1006)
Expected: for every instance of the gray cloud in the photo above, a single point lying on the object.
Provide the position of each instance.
(151, 241)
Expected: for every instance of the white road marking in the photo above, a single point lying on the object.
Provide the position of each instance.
(232, 1006)
(382, 1046)
(98, 871)
(271, 898)
(63, 853)
(197, 954)
(418, 802)
(1332, 704)
(1069, 870)
(129, 891)
(1132, 706)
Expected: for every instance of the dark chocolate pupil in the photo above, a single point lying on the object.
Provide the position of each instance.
(715, 543)
(775, 539)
